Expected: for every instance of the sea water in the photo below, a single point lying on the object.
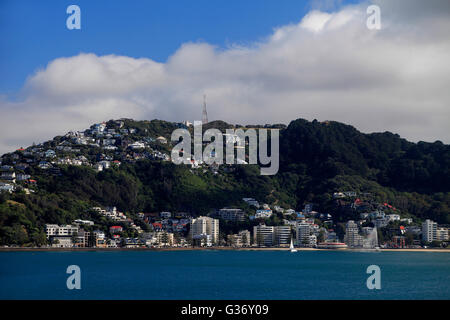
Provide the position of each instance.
(219, 274)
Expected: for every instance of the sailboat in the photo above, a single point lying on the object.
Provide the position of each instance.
(292, 247)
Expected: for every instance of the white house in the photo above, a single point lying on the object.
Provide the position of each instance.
(6, 187)
(137, 145)
(8, 176)
(264, 214)
(393, 217)
(161, 139)
(23, 177)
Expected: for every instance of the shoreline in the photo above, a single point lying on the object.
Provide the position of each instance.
(38, 249)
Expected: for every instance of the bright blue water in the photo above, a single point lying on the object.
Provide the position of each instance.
(224, 275)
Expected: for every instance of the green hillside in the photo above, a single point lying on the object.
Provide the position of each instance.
(317, 159)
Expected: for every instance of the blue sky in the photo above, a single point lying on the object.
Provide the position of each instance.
(34, 32)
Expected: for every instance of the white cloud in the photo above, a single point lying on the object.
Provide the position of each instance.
(315, 20)
(328, 66)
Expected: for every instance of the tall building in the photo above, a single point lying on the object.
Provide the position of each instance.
(303, 234)
(429, 231)
(352, 237)
(205, 226)
(282, 235)
(263, 235)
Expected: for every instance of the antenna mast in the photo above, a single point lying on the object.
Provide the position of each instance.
(204, 114)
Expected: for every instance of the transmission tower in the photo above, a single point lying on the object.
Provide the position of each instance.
(204, 114)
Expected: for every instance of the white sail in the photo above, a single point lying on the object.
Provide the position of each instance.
(292, 247)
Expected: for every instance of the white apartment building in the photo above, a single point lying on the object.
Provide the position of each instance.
(263, 235)
(429, 231)
(98, 234)
(203, 240)
(242, 239)
(352, 237)
(303, 233)
(62, 242)
(442, 234)
(55, 230)
(282, 235)
(205, 226)
(269, 236)
(165, 239)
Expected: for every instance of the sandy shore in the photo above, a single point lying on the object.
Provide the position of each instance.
(20, 249)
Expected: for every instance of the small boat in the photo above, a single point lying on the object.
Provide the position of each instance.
(292, 247)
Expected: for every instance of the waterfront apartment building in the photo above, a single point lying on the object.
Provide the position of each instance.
(282, 236)
(303, 234)
(61, 241)
(99, 239)
(205, 226)
(164, 239)
(268, 236)
(83, 239)
(352, 237)
(442, 234)
(429, 231)
(202, 240)
(242, 239)
(263, 236)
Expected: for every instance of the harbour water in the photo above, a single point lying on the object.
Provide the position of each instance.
(224, 275)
